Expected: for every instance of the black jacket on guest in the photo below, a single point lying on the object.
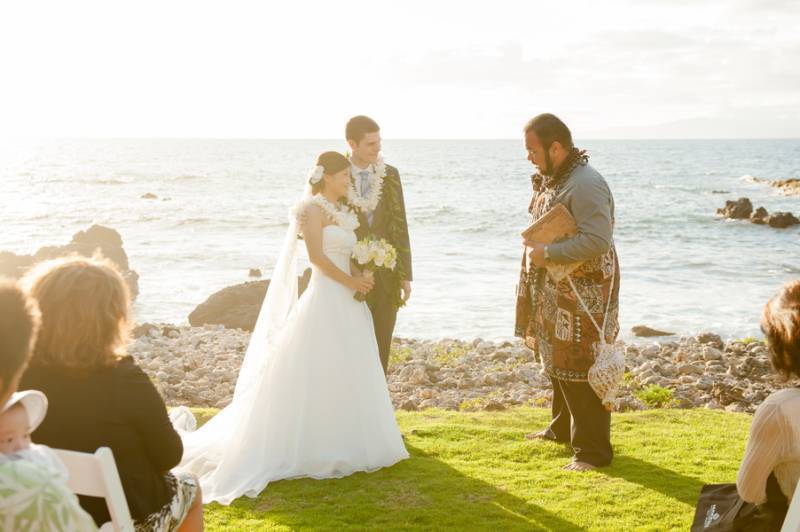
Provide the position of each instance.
(120, 408)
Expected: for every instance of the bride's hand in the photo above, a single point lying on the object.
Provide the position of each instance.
(362, 284)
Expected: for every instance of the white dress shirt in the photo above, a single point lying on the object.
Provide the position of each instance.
(358, 178)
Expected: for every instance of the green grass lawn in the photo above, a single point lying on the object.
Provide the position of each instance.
(475, 471)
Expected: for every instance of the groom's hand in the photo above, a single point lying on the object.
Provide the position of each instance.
(536, 254)
(406, 287)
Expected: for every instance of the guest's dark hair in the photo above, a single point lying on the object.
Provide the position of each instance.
(358, 126)
(331, 162)
(781, 326)
(19, 325)
(549, 128)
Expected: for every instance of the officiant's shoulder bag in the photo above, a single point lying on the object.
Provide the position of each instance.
(605, 375)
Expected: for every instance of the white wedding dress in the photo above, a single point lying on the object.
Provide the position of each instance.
(311, 401)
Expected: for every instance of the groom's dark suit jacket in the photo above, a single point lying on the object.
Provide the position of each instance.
(392, 226)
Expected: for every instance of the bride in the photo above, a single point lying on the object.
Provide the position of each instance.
(311, 398)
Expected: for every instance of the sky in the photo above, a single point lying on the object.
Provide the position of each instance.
(422, 69)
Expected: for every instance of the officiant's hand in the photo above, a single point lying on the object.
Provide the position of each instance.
(536, 254)
(406, 286)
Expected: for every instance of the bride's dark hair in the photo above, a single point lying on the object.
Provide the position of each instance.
(331, 162)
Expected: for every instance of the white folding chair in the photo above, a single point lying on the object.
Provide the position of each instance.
(95, 475)
(792, 521)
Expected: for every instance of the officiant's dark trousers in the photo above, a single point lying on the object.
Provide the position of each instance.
(580, 419)
(384, 317)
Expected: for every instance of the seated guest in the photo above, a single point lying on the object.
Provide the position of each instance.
(100, 398)
(772, 457)
(32, 495)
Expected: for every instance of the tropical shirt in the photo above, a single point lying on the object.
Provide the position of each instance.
(33, 498)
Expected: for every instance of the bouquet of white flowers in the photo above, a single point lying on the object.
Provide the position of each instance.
(371, 254)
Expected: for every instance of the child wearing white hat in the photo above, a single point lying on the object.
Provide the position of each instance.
(20, 416)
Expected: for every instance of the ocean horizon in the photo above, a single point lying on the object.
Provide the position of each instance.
(222, 207)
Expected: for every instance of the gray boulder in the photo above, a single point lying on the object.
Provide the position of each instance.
(237, 307)
(643, 331)
(95, 240)
(711, 339)
(759, 217)
(740, 209)
(782, 220)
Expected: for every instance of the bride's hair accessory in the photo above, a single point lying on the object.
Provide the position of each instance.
(315, 174)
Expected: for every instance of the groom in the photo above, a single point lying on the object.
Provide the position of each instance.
(377, 195)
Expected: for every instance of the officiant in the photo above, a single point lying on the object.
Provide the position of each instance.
(555, 323)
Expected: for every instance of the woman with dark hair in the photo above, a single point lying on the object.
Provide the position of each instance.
(19, 325)
(32, 497)
(773, 450)
(311, 397)
(100, 398)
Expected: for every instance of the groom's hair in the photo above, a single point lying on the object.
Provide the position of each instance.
(358, 126)
(549, 128)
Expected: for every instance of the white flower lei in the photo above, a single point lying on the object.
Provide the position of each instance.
(345, 219)
(369, 203)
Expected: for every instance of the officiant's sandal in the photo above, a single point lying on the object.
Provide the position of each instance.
(579, 466)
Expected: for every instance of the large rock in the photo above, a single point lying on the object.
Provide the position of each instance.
(740, 209)
(709, 338)
(237, 307)
(759, 217)
(782, 220)
(14, 266)
(790, 187)
(643, 331)
(95, 240)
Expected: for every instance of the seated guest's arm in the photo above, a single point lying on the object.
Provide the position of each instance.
(591, 205)
(765, 447)
(147, 412)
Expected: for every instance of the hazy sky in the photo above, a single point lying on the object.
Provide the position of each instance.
(423, 69)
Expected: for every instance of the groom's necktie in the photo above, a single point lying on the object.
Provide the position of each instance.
(364, 175)
(364, 188)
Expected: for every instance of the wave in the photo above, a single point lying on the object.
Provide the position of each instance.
(189, 177)
(680, 188)
(193, 221)
(481, 228)
(108, 181)
(751, 179)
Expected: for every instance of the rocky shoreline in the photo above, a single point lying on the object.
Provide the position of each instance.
(742, 209)
(198, 366)
(788, 187)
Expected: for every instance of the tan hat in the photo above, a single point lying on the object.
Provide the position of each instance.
(35, 404)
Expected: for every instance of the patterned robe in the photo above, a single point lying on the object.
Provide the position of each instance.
(549, 317)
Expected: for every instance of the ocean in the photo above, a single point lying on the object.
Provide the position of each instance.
(222, 209)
